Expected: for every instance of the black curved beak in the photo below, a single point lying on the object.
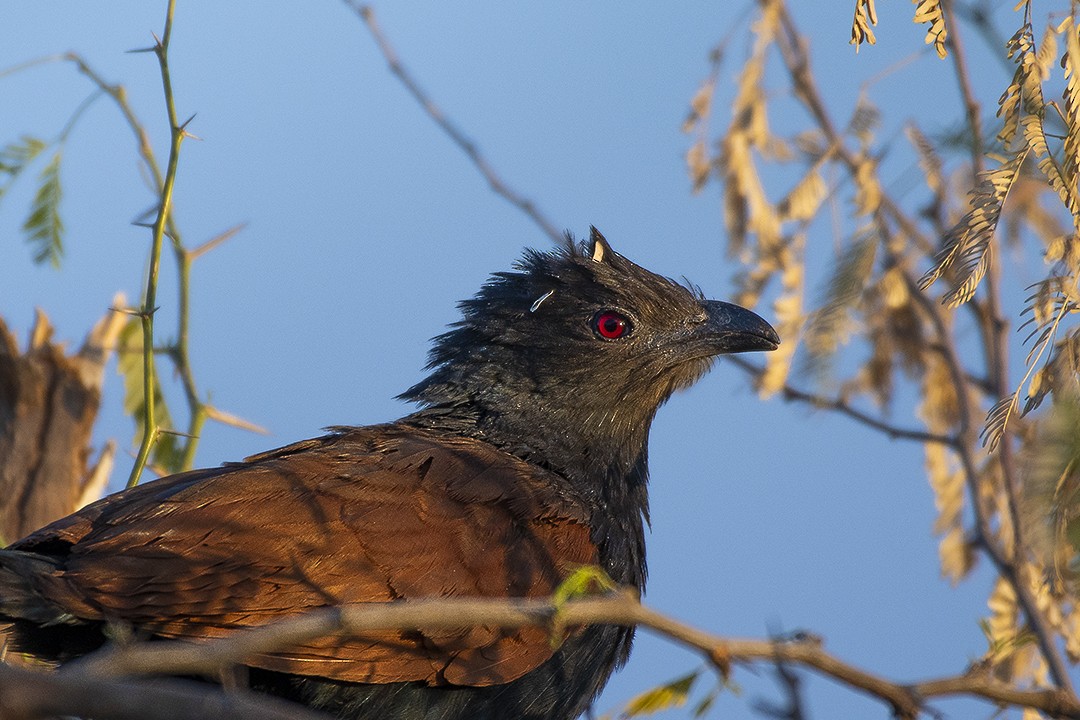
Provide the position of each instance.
(734, 329)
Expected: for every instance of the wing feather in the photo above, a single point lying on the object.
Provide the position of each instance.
(364, 515)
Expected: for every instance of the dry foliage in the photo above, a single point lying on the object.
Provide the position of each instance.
(915, 297)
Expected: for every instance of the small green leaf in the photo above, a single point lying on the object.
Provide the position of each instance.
(584, 580)
(664, 697)
(14, 157)
(44, 229)
(167, 453)
(1002, 648)
(706, 703)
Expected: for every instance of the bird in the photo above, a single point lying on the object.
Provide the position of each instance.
(526, 458)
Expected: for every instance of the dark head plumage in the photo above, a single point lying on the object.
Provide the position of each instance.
(530, 342)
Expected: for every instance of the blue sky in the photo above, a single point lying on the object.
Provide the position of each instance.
(365, 226)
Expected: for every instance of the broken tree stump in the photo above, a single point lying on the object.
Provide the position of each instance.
(49, 402)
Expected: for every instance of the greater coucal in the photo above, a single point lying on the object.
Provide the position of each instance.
(527, 457)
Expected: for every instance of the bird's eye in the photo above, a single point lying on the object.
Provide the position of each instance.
(611, 325)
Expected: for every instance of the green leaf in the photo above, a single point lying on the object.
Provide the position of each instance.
(706, 703)
(1001, 648)
(584, 580)
(167, 453)
(664, 697)
(14, 158)
(44, 229)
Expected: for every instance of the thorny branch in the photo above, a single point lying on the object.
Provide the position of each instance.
(178, 351)
(907, 700)
(149, 307)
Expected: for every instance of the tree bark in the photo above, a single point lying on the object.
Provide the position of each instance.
(49, 401)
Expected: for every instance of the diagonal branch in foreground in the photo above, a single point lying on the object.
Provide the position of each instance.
(26, 693)
(621, 608)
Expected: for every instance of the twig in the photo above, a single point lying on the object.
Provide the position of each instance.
(621, 608)
(367, 14)
(797, 62)
(43, 60)
(971, 104)
(184, 257)
(839, 405)
(792, 685)
(196, 252)
(995, 334)
(984, 533)
(966, 441)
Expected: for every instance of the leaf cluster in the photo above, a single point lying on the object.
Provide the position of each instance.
(878, 324)
(43, 226)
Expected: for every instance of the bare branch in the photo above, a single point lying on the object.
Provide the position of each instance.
(1003, 563)
(621, 608)
(796, 59)
(28, 694)
(994, 329)
(465, 144)
(839, 405)
(1009, 561)
(971, 104)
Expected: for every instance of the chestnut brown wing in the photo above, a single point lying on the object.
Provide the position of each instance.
(367, 515)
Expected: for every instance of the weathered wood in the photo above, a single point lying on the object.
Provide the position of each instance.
(49, 402)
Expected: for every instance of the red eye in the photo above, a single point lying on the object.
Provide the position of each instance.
(611, 325)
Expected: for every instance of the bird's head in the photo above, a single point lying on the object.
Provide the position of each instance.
(581, 341)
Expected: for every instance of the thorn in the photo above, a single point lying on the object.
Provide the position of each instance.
(146, 216)
(177, 433)
(183, 125)
(141, 50)
(213, 242)
(226, 418)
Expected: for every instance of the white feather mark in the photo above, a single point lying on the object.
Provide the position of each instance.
(540, 301)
